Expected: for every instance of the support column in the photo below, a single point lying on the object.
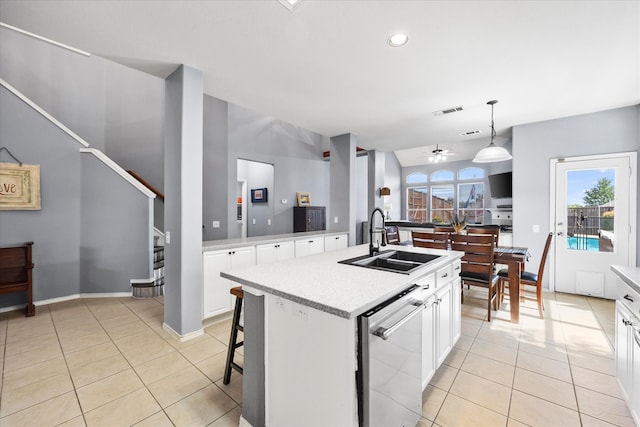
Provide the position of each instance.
(183, 201)
(343, 185)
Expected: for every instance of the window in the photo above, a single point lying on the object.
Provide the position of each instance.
(416, 178)
(442, 203)
(417, 203)
(470, 173)
(442, 175)
(471, 202)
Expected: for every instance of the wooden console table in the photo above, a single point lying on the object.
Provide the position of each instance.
(16, 267)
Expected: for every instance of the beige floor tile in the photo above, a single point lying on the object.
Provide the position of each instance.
(108, 389)
(91, 354)
(201, 407)
(444, 377)
(181, 345)
(230, 419)
(464, 343)
(213, 367)
(74, 422)
(130, 328)
(457, 412)
(79, 330)
(105, 312)
(23, 360)
(596, 381)
(150, 351)
(545, 366)
(605, 365)
(432, 400)
(33, 344)
(506, 338)
(34, 373)
(499, 372)
(51, 412)
(98, 370)
(546, 388)
(162, 367)
(76, 343)
(138, 340)
(603, 407)
(126, 410)
(31, 394)
(494, 351)
(537, 412)
(119, 321)
(203, 350)
(481, 391)
(470, 329)
(514, 423)
(177, 386)
(546, 349)
(588, 421)
(234, 388)
(29, 327)
(456, 357)
(159, 419)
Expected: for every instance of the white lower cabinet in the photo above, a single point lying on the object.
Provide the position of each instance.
(272, 252)
(441, 321)
(216, 298)
(309, 246)
(332, 243)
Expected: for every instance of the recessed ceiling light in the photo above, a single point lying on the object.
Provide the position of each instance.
(469, 133)
(290, 4)
(398, 40)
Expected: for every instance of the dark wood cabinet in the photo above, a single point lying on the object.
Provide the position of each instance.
(309, 218)
(16, 267)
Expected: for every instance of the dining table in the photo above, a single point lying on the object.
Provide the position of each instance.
(514, 257)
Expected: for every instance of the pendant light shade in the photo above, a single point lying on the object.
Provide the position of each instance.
(492, 153)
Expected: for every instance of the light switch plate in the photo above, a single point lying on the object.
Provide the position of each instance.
(216, 224)
(536, 228)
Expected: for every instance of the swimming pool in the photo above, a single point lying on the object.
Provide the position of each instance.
(592, 243)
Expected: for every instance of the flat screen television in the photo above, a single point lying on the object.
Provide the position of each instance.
(500, 185)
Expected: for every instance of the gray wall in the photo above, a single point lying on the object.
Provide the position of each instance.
(257, 175)
(116, 230)
(535, 144)
(393, 180)
(84, 233)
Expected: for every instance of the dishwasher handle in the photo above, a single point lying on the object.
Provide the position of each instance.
(636, 335)
(385, 333)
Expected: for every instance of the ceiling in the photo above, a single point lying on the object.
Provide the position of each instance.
(326, 65)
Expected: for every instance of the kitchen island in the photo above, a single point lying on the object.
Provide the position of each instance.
(301, 353)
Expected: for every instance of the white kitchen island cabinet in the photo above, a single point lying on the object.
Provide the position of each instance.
(302, 328)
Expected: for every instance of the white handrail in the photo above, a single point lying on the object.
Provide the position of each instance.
(48, 116)
(44, 39)
(123, 173)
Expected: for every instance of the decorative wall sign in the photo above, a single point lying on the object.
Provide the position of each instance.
(19, 187)
(304, 199)
(259, 195)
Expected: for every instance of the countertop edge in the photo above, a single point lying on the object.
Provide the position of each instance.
(214, 245)
(630, 275)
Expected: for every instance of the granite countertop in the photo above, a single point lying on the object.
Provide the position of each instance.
(319, 281)
(212, 245)
(630, 275)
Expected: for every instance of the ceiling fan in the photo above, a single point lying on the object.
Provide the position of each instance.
(440, 155)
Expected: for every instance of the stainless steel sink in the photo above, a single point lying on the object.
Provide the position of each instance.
(394, 261)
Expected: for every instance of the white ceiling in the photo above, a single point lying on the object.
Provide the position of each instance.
(326, 66)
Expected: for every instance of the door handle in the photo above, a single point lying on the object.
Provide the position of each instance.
(628, 298)
(385, 333)
(560, 233)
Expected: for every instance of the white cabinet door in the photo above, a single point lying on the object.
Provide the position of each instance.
(272, 252)
(443, 321)
(635, 401)
(624, 340)
(456, 315)
(310, 246)
(216, 298)
(332, 243)
(428, 342)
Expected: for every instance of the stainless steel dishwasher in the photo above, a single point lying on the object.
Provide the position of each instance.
(390, 362)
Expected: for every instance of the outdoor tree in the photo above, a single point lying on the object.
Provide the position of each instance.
(600, 194)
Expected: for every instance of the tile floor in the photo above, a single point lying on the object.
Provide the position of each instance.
(108, 362)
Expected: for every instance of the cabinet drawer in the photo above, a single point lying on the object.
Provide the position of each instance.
(457, 268)
(443, 276)
(428, 283)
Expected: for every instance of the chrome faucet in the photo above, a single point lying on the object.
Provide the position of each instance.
(382, 231)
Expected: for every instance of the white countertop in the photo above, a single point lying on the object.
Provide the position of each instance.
(630, 275)
(319, 281)
(212, 245)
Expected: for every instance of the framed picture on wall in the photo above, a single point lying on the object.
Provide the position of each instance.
(259, 195)
(304, 199)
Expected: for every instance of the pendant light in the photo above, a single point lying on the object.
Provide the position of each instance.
(492, 153)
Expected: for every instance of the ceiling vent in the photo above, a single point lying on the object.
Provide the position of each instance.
(469, 133)
(448, 111)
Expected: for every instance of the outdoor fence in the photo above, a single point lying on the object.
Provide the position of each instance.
(589, 220)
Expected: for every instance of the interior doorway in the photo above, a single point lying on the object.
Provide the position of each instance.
(593, 212)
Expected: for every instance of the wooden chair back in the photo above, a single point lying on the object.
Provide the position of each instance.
(494, 230)
(543, 260)
(477, 262)
(393, 235)
(443, 229)
(430, 240)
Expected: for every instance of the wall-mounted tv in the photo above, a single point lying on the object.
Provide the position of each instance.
(500, 185)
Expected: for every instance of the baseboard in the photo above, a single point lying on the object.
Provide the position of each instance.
(181, 338)
(244, 422)
(67, 298)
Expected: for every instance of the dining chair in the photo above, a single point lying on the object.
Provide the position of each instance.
(477, 265)
(393, 235)
(494, 230)
(529, 279)
(423, 239)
